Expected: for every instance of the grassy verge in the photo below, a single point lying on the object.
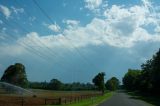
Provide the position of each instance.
(90, 102)
(152, 100)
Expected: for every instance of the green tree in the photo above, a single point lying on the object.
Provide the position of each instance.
(15, 74)
(148, 79)
(98, 81)
(112, 84)
(131, 78)
(156, 72)
(151, 74)
(55, 84)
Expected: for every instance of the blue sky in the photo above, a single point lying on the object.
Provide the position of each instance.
(73, 40)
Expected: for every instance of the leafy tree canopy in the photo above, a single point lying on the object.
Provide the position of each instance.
(15, 74)
(112, 84)
(146, 80)
(98, 80)
(55, 84)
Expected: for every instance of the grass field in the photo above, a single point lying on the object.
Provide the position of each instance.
(93, 101)
(90, 102)
(28, 100)
(49, 93)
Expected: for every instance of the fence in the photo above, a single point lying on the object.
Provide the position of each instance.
(31, 101)
(69, 99)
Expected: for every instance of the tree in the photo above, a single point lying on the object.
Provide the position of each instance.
(98, 81)
(148, 79)
(15, 74)
(112, 84)
(156, 72)
(151, 74)
(130, 80)
(55, 84)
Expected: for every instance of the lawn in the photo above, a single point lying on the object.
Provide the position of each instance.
(93, 101)
(90, 102)
(10, 99)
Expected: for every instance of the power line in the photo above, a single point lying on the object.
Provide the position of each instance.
(75, 48)
(24, 44)
(50, 51)
(31, 50)
(27, 13)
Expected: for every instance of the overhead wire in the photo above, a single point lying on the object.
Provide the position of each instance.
(76, 68)
(52, 52)
(67, 39)
(33, 50)
(74, 47)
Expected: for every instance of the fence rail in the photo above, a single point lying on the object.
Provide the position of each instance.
(69, 99)
(31, 101)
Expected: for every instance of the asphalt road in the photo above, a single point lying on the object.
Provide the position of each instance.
(122, 99)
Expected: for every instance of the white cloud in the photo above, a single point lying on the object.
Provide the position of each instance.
(81, 8)
(45, 24)
(54, 27)
(119, 37)
(17, 10)
(121, 28)
(147, 3)
(16, 50)
(32, 18)
(125, 25)
(71, 23)
(92, 4)
(5, 10)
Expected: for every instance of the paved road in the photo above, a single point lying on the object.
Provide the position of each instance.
(122, 99)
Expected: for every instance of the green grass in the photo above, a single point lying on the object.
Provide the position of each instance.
(56, 94)
(152, 100)
(90, 102)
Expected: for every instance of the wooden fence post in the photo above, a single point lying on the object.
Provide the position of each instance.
(45, 101)
(65, 101)
(22, 101)
(60, 101)
(70, 100)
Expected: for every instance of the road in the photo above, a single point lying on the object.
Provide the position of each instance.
(122, 99)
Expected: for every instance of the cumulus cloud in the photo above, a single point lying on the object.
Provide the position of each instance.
(122, 27)
(17, 10)
(125, 24)
(122, 32)
(5, 10)
(71, 23)
(54, 27)
(32, 18)
(92, 4)
(16, 49)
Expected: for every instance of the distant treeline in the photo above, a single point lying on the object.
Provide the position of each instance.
(147, 79)
(16, 74)
(55, 84)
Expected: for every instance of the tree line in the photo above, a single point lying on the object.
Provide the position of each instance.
(15, 74)
(98, 84)
(146, 79)
(55, 84)
(112, 84)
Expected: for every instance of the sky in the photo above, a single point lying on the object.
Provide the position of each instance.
(73, 40)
